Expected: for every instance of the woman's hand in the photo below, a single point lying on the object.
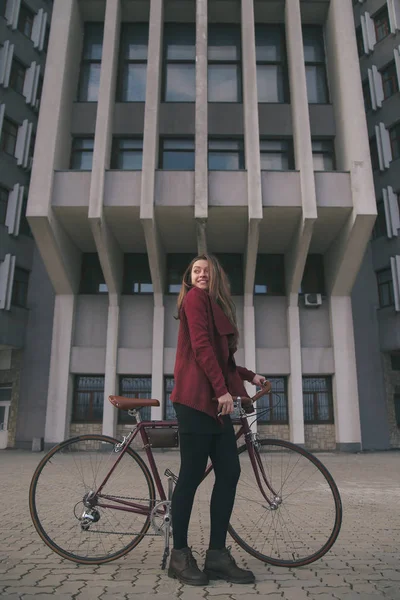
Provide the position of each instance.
(225, 404)
(259, 380)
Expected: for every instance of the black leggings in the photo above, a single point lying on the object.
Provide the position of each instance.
(195, 449)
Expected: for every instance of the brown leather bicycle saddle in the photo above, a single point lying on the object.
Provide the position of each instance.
(131, 403)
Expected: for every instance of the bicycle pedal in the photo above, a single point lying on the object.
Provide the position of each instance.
(169, 473)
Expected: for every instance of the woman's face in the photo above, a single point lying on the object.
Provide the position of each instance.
(200, 274)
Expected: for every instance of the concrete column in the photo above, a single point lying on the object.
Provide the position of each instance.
(345, 390)
(201, 125)
(295, 390)
(249, 339)
(59, 398)
(296, 257)
(110, 372)
(157, 381)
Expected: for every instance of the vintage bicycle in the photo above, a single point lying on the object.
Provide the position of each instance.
(93, 498)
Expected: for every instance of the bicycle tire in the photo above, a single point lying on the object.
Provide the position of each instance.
(326, 488)
(43, 492)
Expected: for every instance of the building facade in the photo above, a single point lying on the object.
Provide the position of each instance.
(171, 127)
(24, 33)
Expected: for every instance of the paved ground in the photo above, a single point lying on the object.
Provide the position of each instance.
(364, 563)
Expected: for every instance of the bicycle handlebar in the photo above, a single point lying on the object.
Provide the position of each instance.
(247, 401)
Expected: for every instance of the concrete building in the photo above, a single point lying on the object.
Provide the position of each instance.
(169, 127)
(24, 33)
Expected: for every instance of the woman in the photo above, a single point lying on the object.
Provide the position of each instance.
(205, 369)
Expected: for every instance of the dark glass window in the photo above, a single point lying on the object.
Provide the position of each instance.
(276, 155)
(224, 63)
(133, 62)
(177, 154)
(46, 39)
(380, 227)
(127, 154)
(313, 281)
(270, 275)
(25, 20)
(91, 63)
(137, 277)
(9, 136)
(394, 133)
(3, 204)
(396, 401)
(82, 154)
(17, 76)
(395, 361)
(373, 147)
(385, 287)
(323, 155)
(314, 56)
(273, 407)
(367, 96)
(169, 412)
(24, 227)
(272, 76)
(389, 80)
(317, 400)
(382, 24)
(92, 278)
(225, 154)
(5, 392)
(3, 8)
(88, 399)
(179, 84)
(176, 266)
(20, 287)
(133, 386)
(233, 267)
(360, 42)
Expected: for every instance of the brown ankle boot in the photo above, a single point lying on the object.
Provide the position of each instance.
(183, 566)
(220, 564)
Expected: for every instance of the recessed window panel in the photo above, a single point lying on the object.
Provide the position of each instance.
(270, 84)
(223, 42)
(270, 275)
(224, 83)
(137, 277)
(92, 278)
(180, 82)
(177, 154)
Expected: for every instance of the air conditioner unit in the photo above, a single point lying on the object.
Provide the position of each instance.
(312, 300)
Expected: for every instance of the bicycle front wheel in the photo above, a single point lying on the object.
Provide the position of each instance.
(305, 518)
(68, 476)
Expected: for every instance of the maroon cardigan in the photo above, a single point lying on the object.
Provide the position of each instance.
(204, 366)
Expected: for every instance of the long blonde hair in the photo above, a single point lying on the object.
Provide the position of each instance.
(218, 289)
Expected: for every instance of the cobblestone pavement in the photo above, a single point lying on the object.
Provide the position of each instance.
(364, 564)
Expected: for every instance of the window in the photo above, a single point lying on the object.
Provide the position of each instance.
(382, 25)
(82, 154)
(224, 63)
(176, 266)
(233, 267)
(25, 20)
(20, 287)
(46, 39)
(273, 407)
(323, 155)
(380, 228)
(367, 96)
(133, 63)
(317, 400)
(179, 83)
(135, 387)
(225, 154)
(396, 401)
(373, 148)
(360, 42)
(272, 78)
(9, 136)
(385, 287)
(313, 281)
(127, 154)
(88, 399)
(3, 204)
(177, 154)
(137, 277)
(395, 361)
(394, 133)
(169, 413)
(276, 155)
(92, 278)
(314, 56)
(2, 8)
(389, 80)
(24, 227)
(91, 63)
(270, 275)
(17, 76)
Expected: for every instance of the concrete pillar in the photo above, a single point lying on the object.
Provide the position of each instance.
(110, 372)
(201, 125)
(345, 390)
(157, 381)
(59, 398)
(295, 388)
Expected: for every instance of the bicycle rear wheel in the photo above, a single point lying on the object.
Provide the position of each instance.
(61, 483)
(308, 514)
